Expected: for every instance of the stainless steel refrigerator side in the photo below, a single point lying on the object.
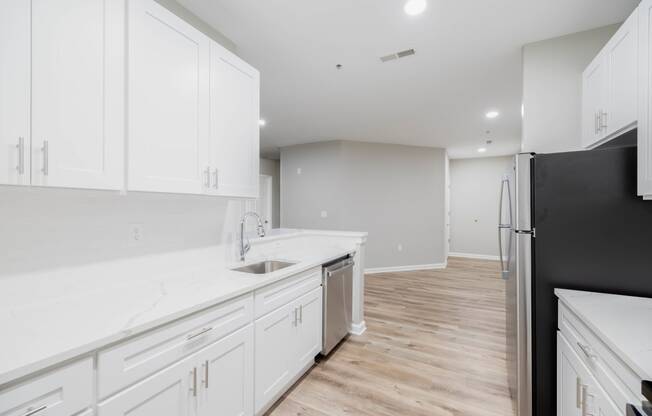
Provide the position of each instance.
(524, 235)
(517, 272)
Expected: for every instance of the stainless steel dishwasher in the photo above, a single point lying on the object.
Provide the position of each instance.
(337, 282)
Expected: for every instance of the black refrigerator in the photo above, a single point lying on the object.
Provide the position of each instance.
(575, 222)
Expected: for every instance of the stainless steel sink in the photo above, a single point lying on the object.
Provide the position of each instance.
(264, 267)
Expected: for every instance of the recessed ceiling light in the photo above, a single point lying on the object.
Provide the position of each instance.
(482, 150)
(415, 7)
(261, 122)
(492, 114)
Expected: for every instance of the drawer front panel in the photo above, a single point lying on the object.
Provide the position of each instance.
(129, 362)
(61, 392)
(612, 374)
(278, 294)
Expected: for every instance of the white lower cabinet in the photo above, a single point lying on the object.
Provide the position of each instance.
(578, 392)
(221, 361)
(61, 392)
(217, 380)
(287, 341)
(227, 379)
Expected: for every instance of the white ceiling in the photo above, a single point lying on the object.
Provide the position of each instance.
(467, 62)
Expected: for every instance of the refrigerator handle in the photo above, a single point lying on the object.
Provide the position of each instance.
(502, 226)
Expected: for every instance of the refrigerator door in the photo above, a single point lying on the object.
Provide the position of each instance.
(517, 273)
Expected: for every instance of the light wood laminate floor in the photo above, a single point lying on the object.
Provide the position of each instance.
(435, 345)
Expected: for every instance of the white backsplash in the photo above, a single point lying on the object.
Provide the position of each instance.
(58, 228)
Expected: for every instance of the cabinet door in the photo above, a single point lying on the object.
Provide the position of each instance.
(227, 376)
(569, 380)
(309, 328)
(168, 102)
(622, 56)
(78, 93)
(15, 86)
(274, 354)
(62, 392)
(168, 393)
(594, 82)
(645, 99)
(234, 141)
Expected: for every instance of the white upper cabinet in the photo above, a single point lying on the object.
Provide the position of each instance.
(78, 93)
(645, 100)
(594, 82)
(610, 87)
(168, 85)
(234, 129)
(14, 92)
(622, 59)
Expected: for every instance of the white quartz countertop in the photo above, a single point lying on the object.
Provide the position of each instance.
(49, 317)
(624, 323)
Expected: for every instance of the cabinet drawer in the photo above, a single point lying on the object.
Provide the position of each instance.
(61, 392)
(278, 294)
(126, 363)
(620, 383)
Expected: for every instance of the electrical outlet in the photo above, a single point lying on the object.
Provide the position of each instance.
(324, 214)
(136, 235)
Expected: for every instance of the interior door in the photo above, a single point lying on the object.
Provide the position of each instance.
(274, 354)
(234, 113)
(308, 328)
(78, 93)
(15, 86)
(168, 102)
(227, 379)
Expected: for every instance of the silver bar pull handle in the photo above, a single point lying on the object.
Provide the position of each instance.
(21, 156)
(31, 411)
(603, 117)
(206, 374)
(296, 319)
(193, 389)
(46, 157)
(201, 332)
(578, 393)
(301, 314)
(595, 123)
(216, 178)
(207, 177)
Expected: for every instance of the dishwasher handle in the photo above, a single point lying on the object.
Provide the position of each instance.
(339, 267)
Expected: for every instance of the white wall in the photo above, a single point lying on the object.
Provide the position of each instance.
(272, 167)
(552, 89)
(395, 193)
(475, 188)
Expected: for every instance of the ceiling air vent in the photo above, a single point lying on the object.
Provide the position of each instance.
(397, 55)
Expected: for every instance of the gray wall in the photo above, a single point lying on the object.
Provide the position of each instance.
(552, 89)
(475, 188)
(272, 167)
(394, 192)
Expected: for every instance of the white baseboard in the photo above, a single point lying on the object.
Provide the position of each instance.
(434, 266)
(358, 329)
(474, 256)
